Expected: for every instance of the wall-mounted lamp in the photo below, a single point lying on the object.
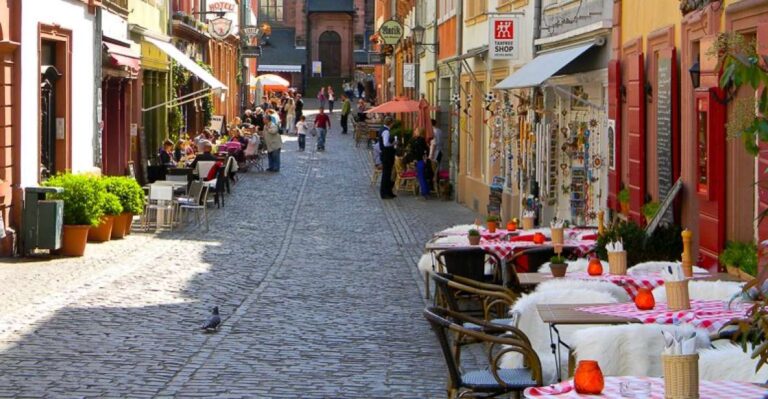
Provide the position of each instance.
(418, 37)
(695, 72)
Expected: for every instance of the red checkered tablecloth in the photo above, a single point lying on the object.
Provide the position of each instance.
(631, 284)
(504, 248)
(707, 389)
(709, 315)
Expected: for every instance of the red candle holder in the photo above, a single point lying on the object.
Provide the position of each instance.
(644, 299)
(595, 267)
(539, 238)
(588, 378)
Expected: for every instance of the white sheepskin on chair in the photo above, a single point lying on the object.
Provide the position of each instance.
(425, 263)
(458, 229)
(538, 332)
(730, 363)
(574, 266)
(620, 294)
(632, 349)
(657, 267)
(704, 290)
(461, 239)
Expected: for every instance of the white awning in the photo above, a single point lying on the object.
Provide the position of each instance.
(188, 63)
(542, 68)
(279, 68)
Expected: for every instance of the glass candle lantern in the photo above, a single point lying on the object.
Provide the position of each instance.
(595, 267)
(644, 299)
(588, 378)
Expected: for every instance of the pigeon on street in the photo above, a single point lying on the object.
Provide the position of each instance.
(214, 322)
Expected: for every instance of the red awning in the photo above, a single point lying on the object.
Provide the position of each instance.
(123, 56)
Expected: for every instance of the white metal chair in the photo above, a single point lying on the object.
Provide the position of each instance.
(203, 167)
(196, 201)
(161, 204)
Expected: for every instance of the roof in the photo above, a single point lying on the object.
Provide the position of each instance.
(331, 6)
(281, 49)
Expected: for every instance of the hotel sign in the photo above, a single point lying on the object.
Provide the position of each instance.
(391, 32)
(503, 41)
(222, 25)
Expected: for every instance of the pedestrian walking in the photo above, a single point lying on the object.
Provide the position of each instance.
(360, 89)
(274, 144)
(418, 153)
(322, 124)
(331, 99)
(290, 115)
(387, 148)
(322, 97)
(302, 128)
(299, 106)
(346, 109)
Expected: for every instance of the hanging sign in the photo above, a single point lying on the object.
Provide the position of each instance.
(503, 38)
(223, 22)
(391, 32)
(317, 67)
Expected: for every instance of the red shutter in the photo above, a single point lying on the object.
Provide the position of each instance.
(614, 113)
(762, 48)
(636, 133)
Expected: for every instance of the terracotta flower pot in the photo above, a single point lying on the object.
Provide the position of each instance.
(102, 232)
(73, 239)
(474, 240)
(625, 208)
(558, 269)
(732, 270)
(491, 227)
(128, 222)
(120, 227)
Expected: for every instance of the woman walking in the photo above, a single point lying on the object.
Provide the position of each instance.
(290, 115)
(419, 153)
(331, 99)
(322, 98)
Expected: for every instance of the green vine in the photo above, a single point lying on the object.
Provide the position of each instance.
(207, 102)
(180, 79)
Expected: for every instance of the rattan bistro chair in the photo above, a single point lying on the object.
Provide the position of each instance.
(469, 263)
(494, 301)
(499, 341)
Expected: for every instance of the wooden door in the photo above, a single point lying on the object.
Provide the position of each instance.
(330, 53)
(635, 68)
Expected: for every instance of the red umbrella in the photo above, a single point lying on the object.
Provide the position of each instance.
(397, 106)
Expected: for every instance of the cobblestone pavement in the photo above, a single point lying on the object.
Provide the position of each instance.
(315, 277)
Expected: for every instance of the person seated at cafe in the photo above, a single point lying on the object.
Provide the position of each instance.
(237, 136)
(258, 120)
(166, 153)
(180, 150)
(207, 147)
(247, 118)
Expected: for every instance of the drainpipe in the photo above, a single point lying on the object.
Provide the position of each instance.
(98, 95)
(393, 69)
(455, 139)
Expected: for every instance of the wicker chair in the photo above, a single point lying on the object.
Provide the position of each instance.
(500, 340)
(469, 263)
(494, 301)
(405, 179)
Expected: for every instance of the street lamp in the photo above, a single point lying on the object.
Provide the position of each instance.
(695, 72)
(418, 36)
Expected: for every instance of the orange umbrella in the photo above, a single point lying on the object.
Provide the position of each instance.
(424, 120)
(397, 106)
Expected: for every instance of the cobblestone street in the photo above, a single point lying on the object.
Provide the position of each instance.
(315, 277)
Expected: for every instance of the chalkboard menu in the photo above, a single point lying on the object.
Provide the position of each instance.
(664, 130)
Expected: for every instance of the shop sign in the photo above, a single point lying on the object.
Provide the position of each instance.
(222, 26)
(503, 40)
(317, 67)
(376, 59)
(391, 32)
(113, 26)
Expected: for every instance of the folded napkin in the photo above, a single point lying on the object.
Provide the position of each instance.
(557, 389)
(616, 246)
(675, 344)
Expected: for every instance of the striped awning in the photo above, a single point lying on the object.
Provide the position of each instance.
(279, 68)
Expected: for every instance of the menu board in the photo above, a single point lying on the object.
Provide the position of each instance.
(664, 122)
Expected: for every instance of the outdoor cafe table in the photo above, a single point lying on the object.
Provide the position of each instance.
(710, 315)
(630, 283)
(707, 389)
(504, 248)
(581, 233)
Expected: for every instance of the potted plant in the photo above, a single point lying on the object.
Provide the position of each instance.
(624, 201)
(112, 209)
(131, 198)
(558, 266)
(474, 236)
(650, 210)
(83, 198)
(492, 222)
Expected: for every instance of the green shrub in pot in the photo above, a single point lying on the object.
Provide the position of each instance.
(83, 198)
(128, 191)
(112, 205)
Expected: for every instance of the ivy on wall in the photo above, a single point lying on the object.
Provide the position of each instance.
(181, 78)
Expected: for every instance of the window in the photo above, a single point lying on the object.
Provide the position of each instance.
(446, 8)
(359, 42)
(271, 10)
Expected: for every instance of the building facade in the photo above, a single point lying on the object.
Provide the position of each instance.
(654, 52)
(11, 191)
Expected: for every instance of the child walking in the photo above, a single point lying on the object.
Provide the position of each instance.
(302, 128)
